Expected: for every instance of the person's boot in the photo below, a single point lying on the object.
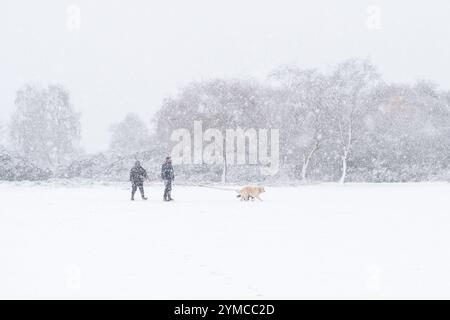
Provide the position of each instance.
(169, 197)
(133, 192)
(141, 190)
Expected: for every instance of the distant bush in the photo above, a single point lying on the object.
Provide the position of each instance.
(16, 168)
(108, 166)
(89, 167)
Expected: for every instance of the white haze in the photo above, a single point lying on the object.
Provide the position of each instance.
(128, 55)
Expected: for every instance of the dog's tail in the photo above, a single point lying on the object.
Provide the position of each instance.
(238, 196)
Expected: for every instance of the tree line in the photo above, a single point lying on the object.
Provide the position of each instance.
(341, 124)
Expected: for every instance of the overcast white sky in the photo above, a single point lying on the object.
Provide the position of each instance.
(128, 55)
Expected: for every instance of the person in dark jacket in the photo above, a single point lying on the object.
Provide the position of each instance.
(137, 177)
(168, 176)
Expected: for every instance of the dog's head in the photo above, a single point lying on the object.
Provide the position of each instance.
(261, 189)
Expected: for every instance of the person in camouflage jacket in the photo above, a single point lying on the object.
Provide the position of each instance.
(137, 177)
(167, 175)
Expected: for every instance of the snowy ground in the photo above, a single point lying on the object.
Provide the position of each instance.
(315, 241)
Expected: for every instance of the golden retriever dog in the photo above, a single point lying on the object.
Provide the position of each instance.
(250, 192)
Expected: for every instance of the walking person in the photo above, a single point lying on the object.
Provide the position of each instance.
(137, 176)
(168, 176)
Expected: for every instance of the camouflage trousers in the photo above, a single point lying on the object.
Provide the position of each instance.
(167, 189)
(134, 188)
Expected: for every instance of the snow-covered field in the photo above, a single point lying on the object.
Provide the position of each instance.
(314, 241)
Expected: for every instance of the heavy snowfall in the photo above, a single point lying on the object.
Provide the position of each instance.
(355, 101)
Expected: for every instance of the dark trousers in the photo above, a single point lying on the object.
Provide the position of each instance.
(167, 189)
(134, 187)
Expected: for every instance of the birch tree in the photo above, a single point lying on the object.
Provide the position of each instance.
(304, 120)
(351, 83)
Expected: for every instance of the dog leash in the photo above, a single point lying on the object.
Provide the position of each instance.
(218, 188)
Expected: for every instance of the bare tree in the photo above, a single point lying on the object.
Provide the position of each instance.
(304, 111)
(45, 128)
(129, 136)
(350, 86)
(218, 103)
